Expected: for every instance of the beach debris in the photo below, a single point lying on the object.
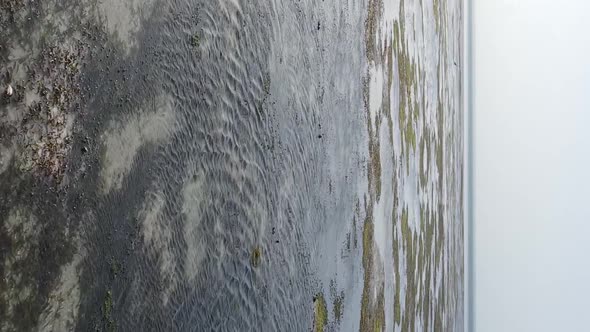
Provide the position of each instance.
(9, 90)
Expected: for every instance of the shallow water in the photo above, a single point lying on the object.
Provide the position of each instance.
(206, 131)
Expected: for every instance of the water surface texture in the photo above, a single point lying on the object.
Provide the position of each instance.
(231, 165)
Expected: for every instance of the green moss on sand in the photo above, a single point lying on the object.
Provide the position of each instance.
(256, 256)
(320, 312)
(338, 302)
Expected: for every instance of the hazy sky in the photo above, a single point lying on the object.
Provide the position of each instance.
(532, 165)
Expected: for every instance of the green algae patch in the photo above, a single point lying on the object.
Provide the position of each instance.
(374, 162)
(338, 302)
(436, 9)
(320, 313)
(397, 308)
(107, 305)
(107, 311)
(423, 137)
(375, 9)
(374, 172)
(372, 307)
(374, 54)
(115, 268)
(440, 150)
(409, 73)
(406, 232)
(396, 264)
(256, 256)
(195, 40)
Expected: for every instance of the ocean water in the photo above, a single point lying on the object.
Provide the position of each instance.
(223, 165)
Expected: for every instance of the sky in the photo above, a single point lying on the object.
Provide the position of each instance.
(531, 164)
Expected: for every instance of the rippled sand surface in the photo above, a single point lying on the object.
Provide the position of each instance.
(231, 165)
